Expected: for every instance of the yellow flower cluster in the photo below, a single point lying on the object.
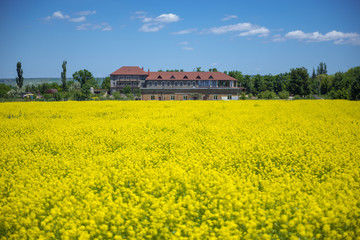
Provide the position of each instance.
(179, 170)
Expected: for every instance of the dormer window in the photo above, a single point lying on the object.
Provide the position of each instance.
(198, 77)
(159, 77)
(211, 77)
(172, 77)
(185, 77)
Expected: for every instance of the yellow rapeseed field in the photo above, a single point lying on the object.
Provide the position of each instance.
(178, 170)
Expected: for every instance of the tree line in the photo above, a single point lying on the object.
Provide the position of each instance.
(297, 82)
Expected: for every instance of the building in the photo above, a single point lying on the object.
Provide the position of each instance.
(176, 85)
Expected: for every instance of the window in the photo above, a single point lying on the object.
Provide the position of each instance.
(211, 77)
(185, 97)
(172, 77)
(215, 97)
(152, 97)
(155, 84)
(189, 83)
(172, 97)
(193, 83)
(185, 77)
(198, 77)
(150, 83)
(159, 77)
(176, 83)
(162, 83)
(181, 83)
(168, 83)
(229, 97)
(172, 83)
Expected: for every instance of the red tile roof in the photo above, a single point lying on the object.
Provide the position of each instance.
(126, 70)
(129, 70)
(189, 76)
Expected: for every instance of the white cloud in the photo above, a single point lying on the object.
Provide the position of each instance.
(184, 43)
(78, 19)
(245, 29)
(334, 36)
(167, 18)
(88, 26)
(185, 31)
(151, 27)
(57, 15)
(261, 32)
(187, 48)
(86, 13)
(155, 24)
(229, 17)
(84, 26)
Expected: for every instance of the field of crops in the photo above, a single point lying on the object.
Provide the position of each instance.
(175, 170)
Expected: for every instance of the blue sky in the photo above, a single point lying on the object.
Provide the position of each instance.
(257, 36)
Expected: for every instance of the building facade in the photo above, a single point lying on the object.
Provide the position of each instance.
(176, 85)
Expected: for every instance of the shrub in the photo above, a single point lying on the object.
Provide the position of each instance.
(284, 95)
(267, 95)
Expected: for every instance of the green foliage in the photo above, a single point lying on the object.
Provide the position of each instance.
(353, 77)
(83, 76)
(321, 69)
(126, 90)
(213, 70)
(338, 94)
(63, 76)
(117, 96)
(299, 81)
(4, 89)
(283, 94)
(267, 95)
(106, 84)
(20, 78)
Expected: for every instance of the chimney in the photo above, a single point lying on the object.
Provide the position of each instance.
(142, 68)
(148, 71)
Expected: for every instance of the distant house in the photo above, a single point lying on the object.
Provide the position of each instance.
(176, 85)
(52, 91)
(28, 95)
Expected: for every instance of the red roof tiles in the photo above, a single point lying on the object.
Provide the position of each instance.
(126, 70)
(129, 70)
(189, 76)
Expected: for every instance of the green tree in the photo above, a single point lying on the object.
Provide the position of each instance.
(4, 89)
(63, 76)
(106, 84)
(353, 77)
(259, 84)
(299, 81)
(20, 78)
(321, 69)
(83, 76)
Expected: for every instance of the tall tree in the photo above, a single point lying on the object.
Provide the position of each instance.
(321, 69)
(83, 76)
(352, 76)
(313, 76)
(20, 78)
(299, 81)
(106, 84)
(63, 76)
